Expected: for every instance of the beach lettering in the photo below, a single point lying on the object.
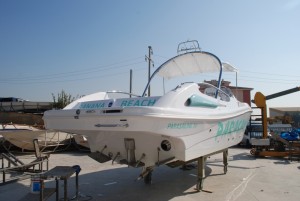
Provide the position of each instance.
(138, 102)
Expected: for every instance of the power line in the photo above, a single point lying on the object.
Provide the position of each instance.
(267, 82)
(57, 76)
(78, 72)
(72, 76)
(271, 74)
(74, 79)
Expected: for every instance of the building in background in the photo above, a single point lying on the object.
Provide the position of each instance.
(286, 115)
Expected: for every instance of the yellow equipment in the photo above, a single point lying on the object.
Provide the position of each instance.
(263, 147)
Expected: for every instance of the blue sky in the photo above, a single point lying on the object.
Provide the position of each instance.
(87, 46)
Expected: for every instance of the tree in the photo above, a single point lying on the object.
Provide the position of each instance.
(63, 99)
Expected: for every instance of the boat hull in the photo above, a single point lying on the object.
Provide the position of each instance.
(154, 138)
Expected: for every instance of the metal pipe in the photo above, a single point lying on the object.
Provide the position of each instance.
(282, 93)
(118, 154)
(139, 161)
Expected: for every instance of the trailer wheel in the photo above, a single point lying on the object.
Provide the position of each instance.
(253, 151)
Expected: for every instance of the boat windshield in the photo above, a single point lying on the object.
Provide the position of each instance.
(223, 94)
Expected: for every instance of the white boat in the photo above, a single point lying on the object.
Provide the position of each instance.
(22, 136)
(182, 125)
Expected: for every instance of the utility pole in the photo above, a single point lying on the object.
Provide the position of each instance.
(130, 83)
(148, 58)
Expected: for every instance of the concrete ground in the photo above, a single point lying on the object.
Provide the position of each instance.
(247, 179)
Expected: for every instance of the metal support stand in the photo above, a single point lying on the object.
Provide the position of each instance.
(146, 175)
(56, 187)
(201, 169)
(201, 173)
(225, 160)
(65, 189)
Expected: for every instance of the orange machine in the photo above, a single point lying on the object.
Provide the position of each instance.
(267, 146)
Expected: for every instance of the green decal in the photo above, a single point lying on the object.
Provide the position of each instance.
(137, 103)
(124, 103)
(181, 125)
(146, 102)
(220, 128)
(92, 105)
(151, 102)
(230, 126)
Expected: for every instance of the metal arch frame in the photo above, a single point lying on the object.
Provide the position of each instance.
(160, 67)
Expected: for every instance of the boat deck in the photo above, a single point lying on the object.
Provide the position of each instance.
(247, 179)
